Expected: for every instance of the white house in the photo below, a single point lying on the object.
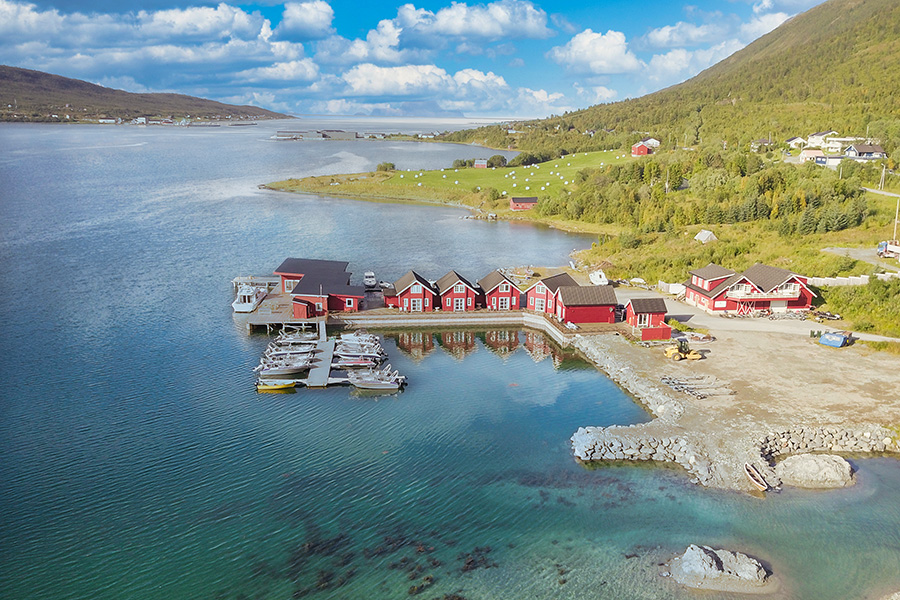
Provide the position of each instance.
(864, 152)
(651, 142)
(808, 154)
(795, 142)
(817, 140)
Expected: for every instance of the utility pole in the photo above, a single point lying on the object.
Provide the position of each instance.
(896, 215)
(881, 184)
(667, 180)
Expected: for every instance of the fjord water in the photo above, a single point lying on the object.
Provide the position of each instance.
(137, 461)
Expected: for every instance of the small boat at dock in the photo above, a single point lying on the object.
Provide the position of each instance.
(248, 297)
(755, 477)
(385, 379)
(263, 385)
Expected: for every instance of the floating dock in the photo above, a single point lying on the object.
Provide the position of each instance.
(319, 372)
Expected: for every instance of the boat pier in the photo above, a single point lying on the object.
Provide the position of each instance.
(319, 372)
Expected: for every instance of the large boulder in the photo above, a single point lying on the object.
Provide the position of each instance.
(815, 471)
(707, 568)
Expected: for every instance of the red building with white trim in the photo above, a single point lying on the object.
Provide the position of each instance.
(716, 289)
(499, 292)
(318, 287)
(412, 293)
(641, 149)
(456, 293)
(586, 304)
(541, 296)
(647, 316)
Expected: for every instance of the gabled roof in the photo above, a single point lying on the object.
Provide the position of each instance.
(766, 278)
(524, 199)
(411, 277)
(712, 271)
(553, 283)
(647, 305)
(789, 140)
(821, 133)
(866, 148)
(587, 295)
(305, 266)
(490, 281)
(450, 279)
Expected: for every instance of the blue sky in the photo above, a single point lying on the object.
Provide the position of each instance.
(507, 58)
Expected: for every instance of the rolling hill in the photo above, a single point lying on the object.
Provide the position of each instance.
(834, 66)
(27, 95)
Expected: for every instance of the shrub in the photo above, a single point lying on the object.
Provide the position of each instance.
(386, 166)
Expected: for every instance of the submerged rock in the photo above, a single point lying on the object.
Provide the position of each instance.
(706, 568)
(815, 471)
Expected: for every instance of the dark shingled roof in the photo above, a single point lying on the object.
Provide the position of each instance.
(492, 280)
(525, 199)
(712, 271)
(557, 281)
(407, 280)
(450, 279)
(305, 266)
(648, 305)
(765, 277)
(587, 295)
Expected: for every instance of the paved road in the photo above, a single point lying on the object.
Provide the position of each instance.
(868, 255)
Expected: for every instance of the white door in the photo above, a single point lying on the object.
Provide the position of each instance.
(504, 303)
(459, 304)
(539, 304)
(778, 306)
(415, 305)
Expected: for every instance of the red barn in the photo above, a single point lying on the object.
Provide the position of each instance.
(648, 315)
(586, 304)
(412, 293)
(318, 287)
(541, 297)
(499, 292)
(456, 293)
(761, 287)
(523, 203)
(641, 149)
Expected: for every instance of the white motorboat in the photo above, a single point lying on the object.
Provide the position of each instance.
(277, 351)
(248, 298)
(384, 379)
(598, 278)
(281, 370)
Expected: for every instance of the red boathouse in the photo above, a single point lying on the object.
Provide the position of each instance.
(586, 304)
(318, 287)
(541, 296)
(524, 203)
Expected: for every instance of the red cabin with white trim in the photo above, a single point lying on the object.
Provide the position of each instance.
(586, 304)
(541, 296)
(412, 293)
(456, 293)
(647, 316)
(499, 292)
(759, 288)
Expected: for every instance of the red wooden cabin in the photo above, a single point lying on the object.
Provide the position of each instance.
(499, 292)
(456, 293)
(586, 304)
(541, 296)
(647, 316)
(412, 293)
(761, 287)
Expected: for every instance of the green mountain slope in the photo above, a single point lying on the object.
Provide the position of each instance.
(33, 95)
(834, 66)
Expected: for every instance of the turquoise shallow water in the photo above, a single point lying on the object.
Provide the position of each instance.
(137, 460)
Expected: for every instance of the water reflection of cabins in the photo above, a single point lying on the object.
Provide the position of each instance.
(459, 343)
(415, 344)
(502, 342)
(539, 347)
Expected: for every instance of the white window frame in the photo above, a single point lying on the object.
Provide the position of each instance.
(643, 320)
(458, 288)
(449, 301)
(540, 289)
(348, 303)
(504, 288)
(416, 289)
(469, 301)
(318, 306)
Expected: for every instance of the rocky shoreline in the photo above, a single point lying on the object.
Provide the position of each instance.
(713, 454)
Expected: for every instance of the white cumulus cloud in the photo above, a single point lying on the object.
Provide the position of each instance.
(497, 20)
(295, 70)
(683, 34)
(596, 53)
(202, 22)
(306, 20)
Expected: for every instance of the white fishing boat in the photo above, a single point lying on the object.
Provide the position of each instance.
(598, 277)
(277, 351)
(384, 379)
(248, 297)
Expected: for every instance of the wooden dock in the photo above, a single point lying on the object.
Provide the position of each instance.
(319, 372)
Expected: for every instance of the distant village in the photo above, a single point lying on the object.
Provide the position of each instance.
(825, 148)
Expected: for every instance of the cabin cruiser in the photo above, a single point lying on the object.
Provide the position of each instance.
(248, 298)
(371, 379)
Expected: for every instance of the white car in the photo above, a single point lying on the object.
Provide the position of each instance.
(369, 279)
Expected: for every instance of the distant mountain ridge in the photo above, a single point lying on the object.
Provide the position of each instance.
(835, 66)
(27, 95)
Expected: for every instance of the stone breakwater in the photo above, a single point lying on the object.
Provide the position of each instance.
(715, 453)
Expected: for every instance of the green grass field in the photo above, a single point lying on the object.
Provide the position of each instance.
(535, 180)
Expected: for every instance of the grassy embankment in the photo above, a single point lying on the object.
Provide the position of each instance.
(470, 188)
